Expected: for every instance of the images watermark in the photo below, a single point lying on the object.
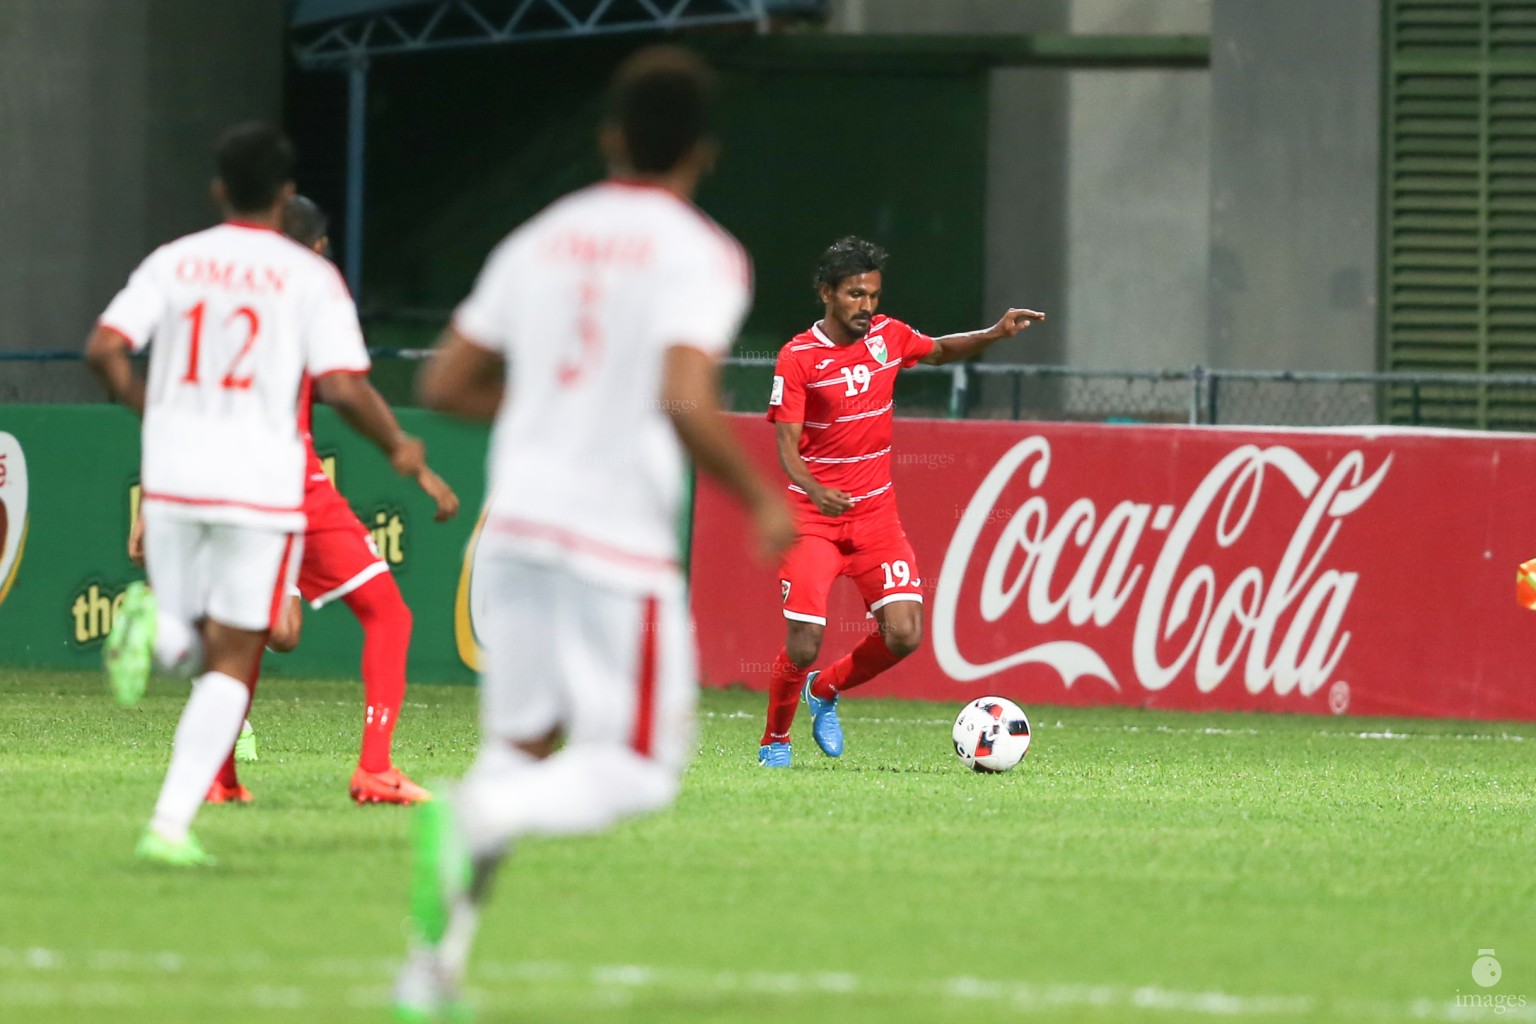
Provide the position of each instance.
(670, 405)
(928, 460)
(1487, 972)
(979, 516)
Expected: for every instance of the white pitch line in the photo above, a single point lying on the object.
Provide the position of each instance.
(41, 984)
(1210, 730)
(1386, 734)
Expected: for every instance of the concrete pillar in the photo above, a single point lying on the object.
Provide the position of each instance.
(107, 115)
(1296, 135)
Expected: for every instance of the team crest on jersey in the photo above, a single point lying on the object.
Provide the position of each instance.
(876, 346)
(784, 586)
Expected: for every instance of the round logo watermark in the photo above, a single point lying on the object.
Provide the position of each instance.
(1486, 971)
(1338, 697)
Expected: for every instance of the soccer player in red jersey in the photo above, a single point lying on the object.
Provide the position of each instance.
(832, 401)
(340, 562)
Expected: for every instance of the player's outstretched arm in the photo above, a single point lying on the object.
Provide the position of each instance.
(136, 542)
(462, 379)
(690, 395)
(290, 627)
(364, 409)
(106, 353)
(441, 494)
(374, 409)
(954, 347)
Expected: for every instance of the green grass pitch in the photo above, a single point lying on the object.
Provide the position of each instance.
(1137, 866)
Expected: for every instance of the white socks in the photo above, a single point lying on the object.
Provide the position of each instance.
(178, 647)
(208, 727)
(508, 795)
(458, 937)
(581, 789)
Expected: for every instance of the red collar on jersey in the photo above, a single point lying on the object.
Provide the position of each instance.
(649, 186)
(235, 222)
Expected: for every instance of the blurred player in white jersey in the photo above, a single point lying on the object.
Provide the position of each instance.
(607, 313)
(238, 314)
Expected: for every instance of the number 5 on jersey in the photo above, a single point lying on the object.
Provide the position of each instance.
(590, 332)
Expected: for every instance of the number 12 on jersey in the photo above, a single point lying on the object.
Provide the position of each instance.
(230, 382)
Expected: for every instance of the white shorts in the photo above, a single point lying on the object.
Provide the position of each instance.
(234, 575)
(604, 666)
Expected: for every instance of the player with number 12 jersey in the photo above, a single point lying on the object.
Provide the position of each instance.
(238, 314)
(832, 404)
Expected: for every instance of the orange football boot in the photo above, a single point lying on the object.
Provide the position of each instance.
(218, 793)
(386, 787)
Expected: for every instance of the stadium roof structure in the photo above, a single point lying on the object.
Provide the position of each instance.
(340, 32)
(347, 34)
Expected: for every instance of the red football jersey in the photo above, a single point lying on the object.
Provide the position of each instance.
(844, 396)
(314, 472)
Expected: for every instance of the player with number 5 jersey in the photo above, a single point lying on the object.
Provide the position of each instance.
(832, 403)
(591, 340)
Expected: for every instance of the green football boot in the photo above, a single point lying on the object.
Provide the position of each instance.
(245, 746)
(426, 988)
(188, 853)
(440, 870)
(129, 651)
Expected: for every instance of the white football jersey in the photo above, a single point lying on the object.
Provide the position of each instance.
(583, 302)
(237, 314)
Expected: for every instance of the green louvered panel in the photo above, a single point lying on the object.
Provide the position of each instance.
(1459, 269)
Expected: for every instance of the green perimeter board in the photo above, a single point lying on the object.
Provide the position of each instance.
(82, 465)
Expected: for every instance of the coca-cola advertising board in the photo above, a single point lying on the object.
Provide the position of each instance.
(1366, 571)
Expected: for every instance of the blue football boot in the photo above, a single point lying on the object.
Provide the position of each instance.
(773, 755)
(825, 727)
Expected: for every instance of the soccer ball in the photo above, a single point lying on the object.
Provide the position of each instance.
(991, 734)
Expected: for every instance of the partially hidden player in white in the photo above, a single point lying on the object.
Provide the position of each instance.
(606, 314)
(238, 314)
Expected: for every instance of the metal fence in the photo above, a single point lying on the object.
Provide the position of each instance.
(1198, 395)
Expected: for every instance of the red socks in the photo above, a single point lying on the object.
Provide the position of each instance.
(386, 625)
(227, 776)
(858, 666)
(783, 694)
(863, 663)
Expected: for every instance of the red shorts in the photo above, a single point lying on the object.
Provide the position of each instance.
(339, 553)
(869, 548)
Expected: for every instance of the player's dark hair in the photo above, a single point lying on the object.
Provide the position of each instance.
(255, 161)
(847, 257)
(662, 99)
(304, 221)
